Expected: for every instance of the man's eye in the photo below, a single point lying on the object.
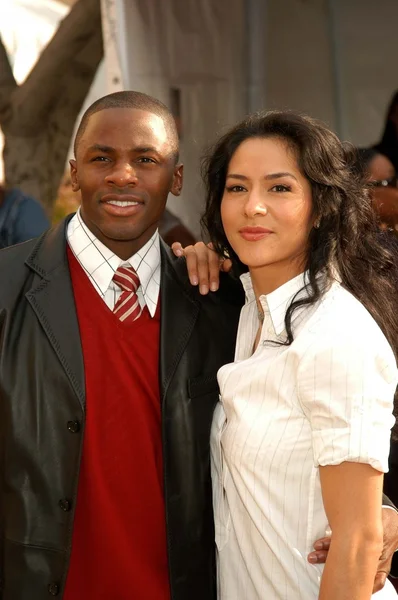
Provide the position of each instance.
(146, 160)
(281, 188)
(100, 159)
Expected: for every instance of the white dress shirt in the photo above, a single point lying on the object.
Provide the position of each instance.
(100, 264)
(284, 411)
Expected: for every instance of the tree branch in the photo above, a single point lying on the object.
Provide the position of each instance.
(7, 84)
(75, 46)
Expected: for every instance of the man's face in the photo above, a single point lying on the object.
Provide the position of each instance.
(125, 168)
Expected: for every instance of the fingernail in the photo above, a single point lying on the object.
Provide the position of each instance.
(204, 289)
(179, 252)
(312, 558)
(318, 546)
(213, 287)
(194, 281)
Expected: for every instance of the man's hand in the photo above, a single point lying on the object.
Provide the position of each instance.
(203, 265)
(390, 544)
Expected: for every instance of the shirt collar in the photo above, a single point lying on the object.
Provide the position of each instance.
(277, 302)
(101, 263)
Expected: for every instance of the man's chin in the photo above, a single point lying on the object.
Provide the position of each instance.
(127, 234)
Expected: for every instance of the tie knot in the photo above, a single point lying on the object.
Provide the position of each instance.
(127, 279)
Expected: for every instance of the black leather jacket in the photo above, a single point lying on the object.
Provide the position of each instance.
(42, 410)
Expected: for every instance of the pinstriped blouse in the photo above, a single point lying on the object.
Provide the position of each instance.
(283, 411)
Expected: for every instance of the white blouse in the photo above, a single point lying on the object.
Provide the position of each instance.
(285, 410)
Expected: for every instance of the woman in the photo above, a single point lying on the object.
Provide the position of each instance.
(383, 180)
(302, 427)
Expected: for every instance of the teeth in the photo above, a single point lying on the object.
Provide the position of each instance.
(122, 203)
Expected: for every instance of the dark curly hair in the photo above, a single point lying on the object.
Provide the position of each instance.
(348, 239)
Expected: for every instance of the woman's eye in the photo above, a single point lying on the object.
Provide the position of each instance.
(281, 188)
(236, 188)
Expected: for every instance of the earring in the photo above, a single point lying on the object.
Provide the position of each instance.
(317, 223)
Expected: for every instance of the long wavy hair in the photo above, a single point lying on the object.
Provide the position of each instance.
(348, 239)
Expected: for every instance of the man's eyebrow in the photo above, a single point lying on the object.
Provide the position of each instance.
(144, 149)
(100, 148)
(109, 149)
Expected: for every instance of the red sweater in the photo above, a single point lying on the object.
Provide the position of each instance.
(119, 536)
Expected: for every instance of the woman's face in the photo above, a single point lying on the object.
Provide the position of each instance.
(266, 207)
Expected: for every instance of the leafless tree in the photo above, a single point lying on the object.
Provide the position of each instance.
(38, 116)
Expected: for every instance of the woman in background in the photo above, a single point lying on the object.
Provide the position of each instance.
(388, 144)
(383, 181)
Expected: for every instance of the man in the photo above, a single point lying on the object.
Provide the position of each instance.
(87, 426)
(105, 406)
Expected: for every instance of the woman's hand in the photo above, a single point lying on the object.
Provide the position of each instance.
(203, 264)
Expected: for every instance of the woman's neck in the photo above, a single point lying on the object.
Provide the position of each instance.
(269, 278)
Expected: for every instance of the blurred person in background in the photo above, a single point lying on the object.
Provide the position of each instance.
(388, 144)
(21, 217)
(382, 177)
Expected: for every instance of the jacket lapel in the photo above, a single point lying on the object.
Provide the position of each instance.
(51, 297)
(179, 312)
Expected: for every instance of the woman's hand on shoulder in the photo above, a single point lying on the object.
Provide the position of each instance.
(203, 264)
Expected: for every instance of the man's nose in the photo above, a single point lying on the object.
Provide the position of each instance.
(255, 204)
(122, 174)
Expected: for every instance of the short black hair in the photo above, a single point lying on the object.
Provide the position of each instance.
(131, 99)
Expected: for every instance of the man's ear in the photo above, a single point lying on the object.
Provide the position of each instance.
(177, 180)
(73, 175)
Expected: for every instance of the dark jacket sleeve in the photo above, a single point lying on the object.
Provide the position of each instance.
(387, 502)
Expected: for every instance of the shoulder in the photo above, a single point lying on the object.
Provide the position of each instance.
(14, 256)
(342, 333)
(342, 316)
(14, 270)
(230, 291)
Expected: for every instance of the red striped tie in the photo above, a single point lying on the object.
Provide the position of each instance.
(127, 307)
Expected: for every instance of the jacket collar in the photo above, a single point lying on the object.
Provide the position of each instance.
(179, 312)
(51, 297)
(49, 253)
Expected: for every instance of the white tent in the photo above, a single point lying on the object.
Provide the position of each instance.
(215, 60)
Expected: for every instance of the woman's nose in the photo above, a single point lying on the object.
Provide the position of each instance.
(255, 205)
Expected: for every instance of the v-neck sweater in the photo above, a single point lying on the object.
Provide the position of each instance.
(119, 545)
